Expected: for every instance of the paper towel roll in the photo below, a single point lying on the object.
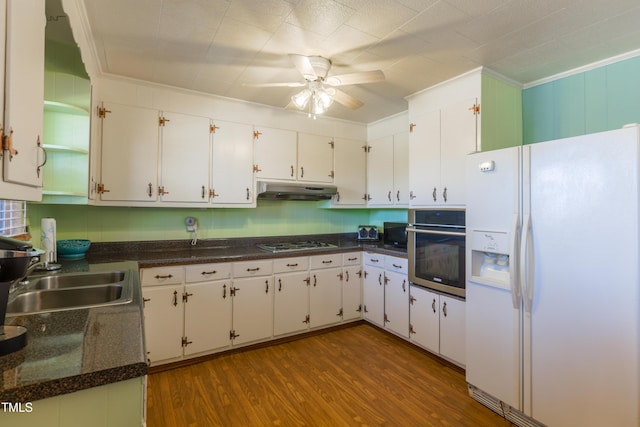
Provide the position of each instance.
(48, 237)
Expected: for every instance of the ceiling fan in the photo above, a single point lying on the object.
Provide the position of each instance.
(319, 88)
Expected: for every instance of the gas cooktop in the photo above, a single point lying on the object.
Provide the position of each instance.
(295, 246)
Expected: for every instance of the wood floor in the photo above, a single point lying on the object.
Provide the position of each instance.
(357, 376)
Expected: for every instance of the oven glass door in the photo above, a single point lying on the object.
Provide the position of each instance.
(438, 259)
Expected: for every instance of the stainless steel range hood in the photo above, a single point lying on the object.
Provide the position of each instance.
(295, 191)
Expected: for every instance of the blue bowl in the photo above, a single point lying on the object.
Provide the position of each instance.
(72, 249)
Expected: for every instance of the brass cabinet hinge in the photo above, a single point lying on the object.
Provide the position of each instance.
(213, 128)
(212, 193)
(185, 296)
(163, 120)
(306, 319)
(332, 174)
(256, 134)
(186, 342)
(475, 109)
(100, 189)
(332, 144)
(232, 334)
(256, 168)
(102, 112)
(412, 126)
(367, 148)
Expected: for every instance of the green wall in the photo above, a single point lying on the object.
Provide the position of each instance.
(597, 100)
(270, 218)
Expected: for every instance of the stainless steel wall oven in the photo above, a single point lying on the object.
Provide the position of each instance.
(436, 249)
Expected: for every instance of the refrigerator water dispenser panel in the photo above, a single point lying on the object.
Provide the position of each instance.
(490, 241)
(490, 258)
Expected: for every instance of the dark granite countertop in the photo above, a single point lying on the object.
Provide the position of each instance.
(180, 252)
(78, 349)
(73, 350)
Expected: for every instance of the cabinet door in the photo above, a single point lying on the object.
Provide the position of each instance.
(396, 303)
(232, 170)
(325, 297)
(291, 306)
(275, 153)
(424, 159)
(373, 294)
(380, 172)
(184, 173)
(252, 309)
(129, 157)
(401, 169)
(351, 292)
(315, 158)
(163, 311)
(24, 91)
(207, 316)
(452, 329)
(350, 172)
(424, 318)
(458, 138)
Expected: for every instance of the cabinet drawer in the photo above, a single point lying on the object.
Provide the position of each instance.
(283, 265)
(399, 265)
(252, 268)
(353, 258)
(374, 259)
(161, 276)
(325, 261)
(205, 272)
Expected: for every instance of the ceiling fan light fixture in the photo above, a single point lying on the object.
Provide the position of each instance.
(301, 98)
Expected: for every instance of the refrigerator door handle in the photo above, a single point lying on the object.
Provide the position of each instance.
(516, 294)
(526, 264)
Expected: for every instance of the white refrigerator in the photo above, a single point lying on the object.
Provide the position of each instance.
(553, 284)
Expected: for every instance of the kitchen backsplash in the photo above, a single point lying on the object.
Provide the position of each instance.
(270, 218)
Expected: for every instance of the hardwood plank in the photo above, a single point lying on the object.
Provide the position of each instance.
(353, 376)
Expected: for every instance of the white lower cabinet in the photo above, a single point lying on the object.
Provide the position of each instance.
(351, 286)
(252, 294)
(163, 313)
(207, 316)
(396, 296)
(325, 290)
(438, 323)
(291, 300)
(373, 288)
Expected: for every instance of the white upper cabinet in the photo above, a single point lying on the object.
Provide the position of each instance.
(24, 95)
(129, 156)
(276, 155)
(350, 172)
(184, 170)
(231, 174)
(315, 158)
(388, 171)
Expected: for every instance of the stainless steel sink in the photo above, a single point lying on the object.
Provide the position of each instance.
(74, 280)
(70, 291)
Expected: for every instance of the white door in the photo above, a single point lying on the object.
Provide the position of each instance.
(252, 309)
(232, 170)
(352, 292)
(401, 169)
(396, 303)
(291, 304)
(373, 294)
(424, 159)
(380, 172)
(582, 259)
(163, 322)
(350, 172)
(493, 316)
(425, 318)
(458, 138)
(207, 316)
(24, 91)
(315, 158)
(129, 158)
(185, 143)
(452, 329)
(275, 153)
(325, 297)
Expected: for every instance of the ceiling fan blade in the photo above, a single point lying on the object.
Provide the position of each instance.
(304, 66)
(347, 100)
(291, 106)
(355, 78)
(290, 84)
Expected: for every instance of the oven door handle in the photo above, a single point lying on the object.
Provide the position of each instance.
(440, 233)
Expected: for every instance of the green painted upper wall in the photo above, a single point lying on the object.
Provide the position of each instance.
(597, 100)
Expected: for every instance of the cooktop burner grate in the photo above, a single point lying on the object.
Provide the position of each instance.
(295, 246)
